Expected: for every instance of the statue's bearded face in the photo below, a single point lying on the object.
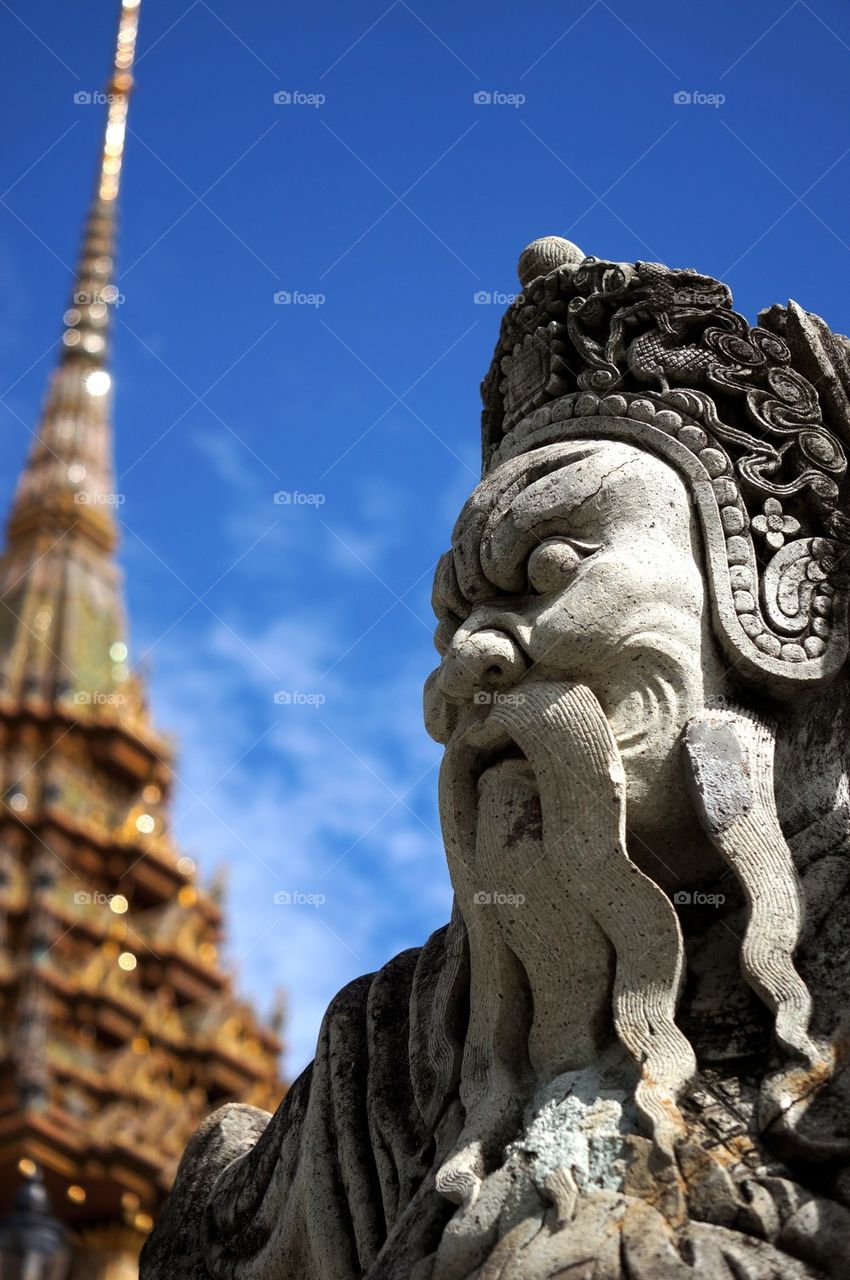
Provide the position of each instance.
(579, 563)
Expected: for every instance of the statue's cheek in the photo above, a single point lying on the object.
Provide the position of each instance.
(565, 639)
(594, 606)
(579, 631)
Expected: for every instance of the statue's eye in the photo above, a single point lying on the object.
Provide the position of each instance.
(552, 564)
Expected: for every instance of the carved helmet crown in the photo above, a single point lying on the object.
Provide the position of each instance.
(756, 419)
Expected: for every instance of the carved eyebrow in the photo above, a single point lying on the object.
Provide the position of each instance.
(505, 548)
(581, 544)
(451, 603)
(498, 497)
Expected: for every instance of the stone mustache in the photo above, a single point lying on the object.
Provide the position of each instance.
(625, 1057)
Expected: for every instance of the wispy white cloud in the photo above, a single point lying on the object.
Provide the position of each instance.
(330, 791)
(332, 801)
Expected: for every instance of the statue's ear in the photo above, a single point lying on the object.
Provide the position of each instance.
(821, 356)
(728, 757)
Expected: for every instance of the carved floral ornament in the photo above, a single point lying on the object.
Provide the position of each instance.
(659, 359)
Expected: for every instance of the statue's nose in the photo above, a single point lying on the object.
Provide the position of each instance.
(486, 659)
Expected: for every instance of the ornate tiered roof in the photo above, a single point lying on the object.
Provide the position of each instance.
(120, 1029)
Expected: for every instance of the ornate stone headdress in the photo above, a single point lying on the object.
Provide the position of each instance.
(756, 419)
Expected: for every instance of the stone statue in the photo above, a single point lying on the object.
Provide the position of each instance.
(626, 1056)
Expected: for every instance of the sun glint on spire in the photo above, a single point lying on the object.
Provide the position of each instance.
(118, 91)
(87, 318)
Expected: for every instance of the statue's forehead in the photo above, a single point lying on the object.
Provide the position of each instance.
(499, 490)
(558, 478)
(599, 483)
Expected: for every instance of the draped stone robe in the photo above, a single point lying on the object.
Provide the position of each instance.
(339, 1183)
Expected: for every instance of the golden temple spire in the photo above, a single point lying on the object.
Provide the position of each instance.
(68, 478)
(61, 608)
(119, 1028)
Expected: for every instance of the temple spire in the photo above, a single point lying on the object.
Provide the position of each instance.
(61, 606)
(119, 1028)
(67, 482)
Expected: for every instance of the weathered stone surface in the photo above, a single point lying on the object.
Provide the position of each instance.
(625, 1058)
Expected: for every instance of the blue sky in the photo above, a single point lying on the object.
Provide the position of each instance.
(382, 198)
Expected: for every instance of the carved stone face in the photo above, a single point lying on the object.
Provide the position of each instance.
(581, 562)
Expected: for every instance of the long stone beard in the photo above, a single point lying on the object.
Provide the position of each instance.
(566, 934)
